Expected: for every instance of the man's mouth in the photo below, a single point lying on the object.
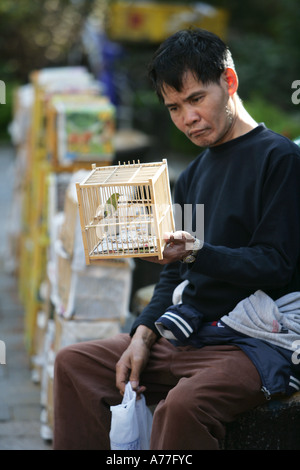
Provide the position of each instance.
(197, 132)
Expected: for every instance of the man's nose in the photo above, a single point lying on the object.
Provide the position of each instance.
(190, 116)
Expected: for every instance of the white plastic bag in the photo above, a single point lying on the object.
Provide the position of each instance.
(131, 423)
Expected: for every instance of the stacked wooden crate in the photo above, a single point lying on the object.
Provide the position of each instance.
(65, 126)
(86, 302)
(75, 262)
(54, 92)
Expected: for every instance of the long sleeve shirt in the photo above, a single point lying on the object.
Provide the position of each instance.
(250, 189)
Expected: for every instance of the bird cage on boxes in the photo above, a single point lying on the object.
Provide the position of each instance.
(124, 210)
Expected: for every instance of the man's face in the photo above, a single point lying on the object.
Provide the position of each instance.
(204, 113)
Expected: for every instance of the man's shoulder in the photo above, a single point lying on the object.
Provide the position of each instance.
(280, 141)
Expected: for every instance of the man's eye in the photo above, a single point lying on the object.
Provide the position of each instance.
(197, 98)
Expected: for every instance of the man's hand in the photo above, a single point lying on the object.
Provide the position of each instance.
(178, 245)
(134, 359)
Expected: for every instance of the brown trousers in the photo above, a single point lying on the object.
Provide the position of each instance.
(197, 391)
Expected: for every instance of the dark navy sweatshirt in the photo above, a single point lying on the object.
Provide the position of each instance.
(250, 189)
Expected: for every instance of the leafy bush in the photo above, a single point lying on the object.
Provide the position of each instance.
(274, 117)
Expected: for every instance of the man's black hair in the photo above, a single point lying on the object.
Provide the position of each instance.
(196, 50)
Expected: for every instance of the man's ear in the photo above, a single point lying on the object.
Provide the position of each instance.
(231, 80)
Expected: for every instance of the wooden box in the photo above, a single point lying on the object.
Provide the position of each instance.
(80, 130)
(124, 210)
(76, 331)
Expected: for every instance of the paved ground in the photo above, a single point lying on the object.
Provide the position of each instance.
(19, 397)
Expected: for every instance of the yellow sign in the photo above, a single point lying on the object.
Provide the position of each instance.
(154, 22)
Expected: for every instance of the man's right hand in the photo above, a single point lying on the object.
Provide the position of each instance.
(134, 359)
(179, 244)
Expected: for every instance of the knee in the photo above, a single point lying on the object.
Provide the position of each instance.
(64, 360)
(185, 400)
(179, 401)
(64, 355)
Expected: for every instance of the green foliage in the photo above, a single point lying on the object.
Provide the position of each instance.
(35, 34)
(273, 117)
(264, 39)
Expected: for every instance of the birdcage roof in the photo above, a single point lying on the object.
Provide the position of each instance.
(132, 173)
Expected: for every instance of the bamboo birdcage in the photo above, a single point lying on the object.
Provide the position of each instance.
(124, 210)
